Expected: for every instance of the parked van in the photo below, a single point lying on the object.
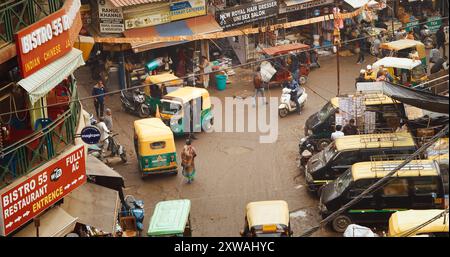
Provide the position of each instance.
(337, 157)
(418, 185)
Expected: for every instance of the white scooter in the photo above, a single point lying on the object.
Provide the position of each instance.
(287, 106)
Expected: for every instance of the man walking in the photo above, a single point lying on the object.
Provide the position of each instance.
(350, 128)
(187, 161)
(440, 39)
(259, 86)
(362, 49)
(108, 119)
(98, 92)
(338, 133)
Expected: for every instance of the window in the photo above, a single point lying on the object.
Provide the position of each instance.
(158, 145)
(397, 187)
(347, 158)
(425, 185)
(359, 187)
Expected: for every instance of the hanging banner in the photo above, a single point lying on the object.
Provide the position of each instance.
(245, 14)
(434, 23)
(36, 192)
(187, 9)
(110, 17)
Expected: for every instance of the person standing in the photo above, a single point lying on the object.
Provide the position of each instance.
(338, 133)
(440, 39)
(410, 35)
(362, 49)
(187, 161)
(294, 66)
(99, 96)
(108, 119)
(376, 46)
(205, 67)
(104, 134)
(350, 128)
(258, 83)
(435, 53)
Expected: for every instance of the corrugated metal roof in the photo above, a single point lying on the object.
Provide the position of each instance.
(122, 3)
(41, 82)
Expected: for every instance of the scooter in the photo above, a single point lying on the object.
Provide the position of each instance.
(113, 147)
(134, 208)
(287, 106)
(135, 102)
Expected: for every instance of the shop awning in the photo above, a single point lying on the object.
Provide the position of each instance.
(104, 175)
(122, 3)
(194, 26)
(41, 82)
(295, 2)
(94, 205)
(356, 3)
(54, 223)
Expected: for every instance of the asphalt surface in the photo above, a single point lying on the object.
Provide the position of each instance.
(234, 169)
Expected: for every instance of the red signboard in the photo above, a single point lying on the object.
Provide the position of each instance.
(35, 194)
(43, 42)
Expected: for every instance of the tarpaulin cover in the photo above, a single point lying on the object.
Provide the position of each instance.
(417, 98)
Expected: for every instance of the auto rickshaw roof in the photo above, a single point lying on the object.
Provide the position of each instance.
(167, 78)
(284, 49)
(402, 222)
(379, 169)
(152, 129)
(400, 44)
(185, 94)
(369, 99)
(395, 62)
(382, 140)
(267, 213)
(169, 217)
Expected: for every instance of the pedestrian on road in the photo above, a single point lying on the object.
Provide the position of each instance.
(435, 53)
(350, 128)
(108, 119)
(98, 92)
(440, 39)
(338, 133)
(104, 134)
(440, 64)
(294, 66)
(258, 83)
(187, 161)
(315, 58)
(362, 50)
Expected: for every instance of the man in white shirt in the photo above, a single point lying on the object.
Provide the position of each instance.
(337, 133)
(104, 134)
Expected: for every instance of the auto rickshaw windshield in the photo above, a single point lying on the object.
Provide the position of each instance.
(170, 107)
(418, 72)
(343, 181)
(329, 152)
(326, 111)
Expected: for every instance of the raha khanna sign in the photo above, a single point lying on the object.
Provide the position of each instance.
(33, 195)
(46, 40)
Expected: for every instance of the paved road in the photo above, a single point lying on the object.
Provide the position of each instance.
(234, 168)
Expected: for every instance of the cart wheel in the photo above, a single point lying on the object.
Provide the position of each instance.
(303, 80)
(208, 125)
(144, 111)
(340, 223)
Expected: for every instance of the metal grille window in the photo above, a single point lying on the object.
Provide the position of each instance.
(158, 145)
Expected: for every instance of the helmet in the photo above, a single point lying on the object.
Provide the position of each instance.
(369, 67)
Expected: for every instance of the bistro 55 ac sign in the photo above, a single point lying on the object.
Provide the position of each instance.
(244, 14)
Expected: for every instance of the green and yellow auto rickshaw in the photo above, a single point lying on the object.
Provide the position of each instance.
(158, 86)
(403, 48)
(404, 71)
(171, 219)
(155, 147)
(176, 106)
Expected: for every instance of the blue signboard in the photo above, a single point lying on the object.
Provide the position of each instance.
(90, 135)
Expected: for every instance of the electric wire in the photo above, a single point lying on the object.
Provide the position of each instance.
(417, 228)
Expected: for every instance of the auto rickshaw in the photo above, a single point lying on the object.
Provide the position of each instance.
(158, 86)
(281, 66)
(413, 223)
(267, 219)
(404, 71)
(403, 48)
(155, 147)
(174, 104)
(171, 219)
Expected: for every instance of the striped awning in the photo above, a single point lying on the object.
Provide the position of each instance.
(122, 3)
(194, 26)
(41, 82)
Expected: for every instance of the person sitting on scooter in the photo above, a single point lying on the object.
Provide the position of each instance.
(104, 134)
(295, 89)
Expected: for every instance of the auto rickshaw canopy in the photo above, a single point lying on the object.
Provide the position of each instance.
(267, 213)
(379, 169)
(382, 140)
(153, 130)
(401, 44)
(168, 79)
(398, 63)
(186, 94)
(402, 223)
(169, 217)
(370, 99)
(284, 49)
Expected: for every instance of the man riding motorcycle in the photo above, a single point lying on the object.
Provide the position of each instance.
(293, 85)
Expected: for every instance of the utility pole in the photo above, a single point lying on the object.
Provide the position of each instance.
(338, 71)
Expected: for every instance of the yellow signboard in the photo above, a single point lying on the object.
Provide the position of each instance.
(187, 9)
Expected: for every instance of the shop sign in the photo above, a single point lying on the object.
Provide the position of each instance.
(155, 18)
(34, 194)
(43, 42)
(434, 23)
(73, 8)
(110, 17)
(90, 135)
(304, 4)
(411, 25)
(187, 9)
(245, 14)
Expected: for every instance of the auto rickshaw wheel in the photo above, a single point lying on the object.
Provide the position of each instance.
(340, 223)
(208, 125)
(303, 80)
(322, 144)
(283, 112)
(144, 111)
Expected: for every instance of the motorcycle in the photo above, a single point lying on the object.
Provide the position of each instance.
(286, 106)
(113, 147)
(135, 102)
(426, 37)
(134, 208)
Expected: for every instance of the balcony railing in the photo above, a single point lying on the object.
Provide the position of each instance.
(41, 146)
(18, 14)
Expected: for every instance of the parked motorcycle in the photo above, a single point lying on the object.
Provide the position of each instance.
(134, 208)
(135, 102)
(287, 106)
(114, 149)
